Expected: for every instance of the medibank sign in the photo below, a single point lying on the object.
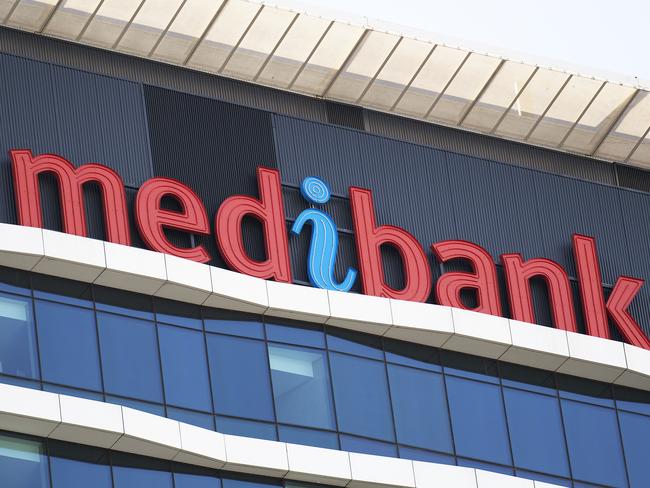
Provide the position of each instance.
(268, 209)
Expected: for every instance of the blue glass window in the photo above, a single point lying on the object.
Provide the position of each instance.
(203, 420)
(478, 420)
(301, 386)
(361, 396)
(17, 339)
(246, 428)
(68, 345)
(594, 443)
(233, 323)
(420, 408)
(426, 456)
(296, 333)
(178, 313)
(536, 432)
(248, 483)
(22, 463)
(138, 472)
(308, 437)
(185, 368)
(354, 343)
(240, 377)
(128, 345)
(77, 473)
(154, 408)
(194, 478)
(367, 446)
(636, 433)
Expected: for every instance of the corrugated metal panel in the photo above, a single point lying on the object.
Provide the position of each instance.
(569, 206)
(28, 120)
(214, 147)
(489, 148)
(158, 74)
(345, 115)
(102, 120)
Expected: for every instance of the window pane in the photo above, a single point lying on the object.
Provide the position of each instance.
(308, 437)
(22, 463)
(594, 445)
(426, 456)
(132, 477)
(179, 313)
(71, 473)
(129, 345)
(245, 483)
(636, 432)
(185, 480)
(203, 420)
(420, 408)
(68, 345)
(185, 370)
(246, 428)
(301, 386)
(240, 377)
(536, 432)
(17, 343)
(234, 323)
(361, 396)
(478, 420)
(296, 333)
(366, 446)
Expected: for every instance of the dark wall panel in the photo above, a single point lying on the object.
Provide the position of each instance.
(214, 147)
(82, 117)
(440, 195)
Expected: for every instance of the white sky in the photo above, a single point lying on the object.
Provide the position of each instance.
(610, 36)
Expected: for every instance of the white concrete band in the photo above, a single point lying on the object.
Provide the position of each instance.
(92, 423)
(152, 273)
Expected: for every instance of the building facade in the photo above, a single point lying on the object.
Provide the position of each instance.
(211, 277)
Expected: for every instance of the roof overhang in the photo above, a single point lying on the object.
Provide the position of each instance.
(360, 63)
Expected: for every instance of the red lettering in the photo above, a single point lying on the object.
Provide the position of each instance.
(518, 276)
(152, 220)
(269, 210)
(625, 289)
(483, 279)
(26, 170)
(593, 298)
(370, 238)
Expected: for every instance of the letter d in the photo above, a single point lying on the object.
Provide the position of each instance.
(370, 238)
(269, 210)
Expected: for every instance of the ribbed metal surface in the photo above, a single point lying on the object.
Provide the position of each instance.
(80, 116)
(440, 195)
(212, 146)
(158, 74)
(489, 148)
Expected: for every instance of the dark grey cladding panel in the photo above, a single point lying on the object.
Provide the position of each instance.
(214, 147)
(80, 116)
(482, 146)
(159, 74)
(409, 182)
(567, 206)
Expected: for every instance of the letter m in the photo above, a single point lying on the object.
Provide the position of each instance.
(26, 170)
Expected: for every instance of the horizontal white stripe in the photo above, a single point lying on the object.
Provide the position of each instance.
(152, 273)
(93, 423)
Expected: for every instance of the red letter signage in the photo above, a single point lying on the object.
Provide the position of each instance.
(370, 238)
(518, 276)
(26, 170)
(483, 279)
(593, 299)
(152, 220)
(269, 210)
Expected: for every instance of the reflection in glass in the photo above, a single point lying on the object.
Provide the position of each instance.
(22, 463)
(17, 343)
(301, 386)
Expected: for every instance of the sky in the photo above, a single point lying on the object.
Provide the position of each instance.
(607, 36)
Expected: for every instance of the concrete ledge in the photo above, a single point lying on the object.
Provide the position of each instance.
(128, 268)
